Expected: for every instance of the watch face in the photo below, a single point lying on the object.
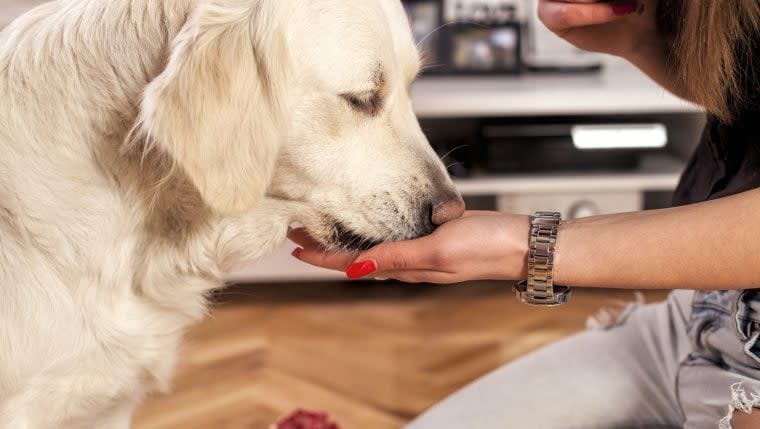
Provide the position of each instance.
(561, 296)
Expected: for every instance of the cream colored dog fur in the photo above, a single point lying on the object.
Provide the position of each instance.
(149, 146)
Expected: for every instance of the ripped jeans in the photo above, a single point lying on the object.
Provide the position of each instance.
(688, 362)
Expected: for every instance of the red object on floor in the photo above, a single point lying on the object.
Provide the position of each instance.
(302, 419)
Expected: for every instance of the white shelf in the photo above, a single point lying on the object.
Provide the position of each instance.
(659, 173)
(618, 89)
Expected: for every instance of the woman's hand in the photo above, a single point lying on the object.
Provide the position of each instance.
(618, 27)
(478, 246)
(624, 28)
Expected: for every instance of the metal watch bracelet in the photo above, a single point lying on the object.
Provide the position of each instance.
(540, 289)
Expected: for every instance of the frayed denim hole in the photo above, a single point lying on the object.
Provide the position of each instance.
(740, 401)
(615, 315)
(751, 347)
(747, 320)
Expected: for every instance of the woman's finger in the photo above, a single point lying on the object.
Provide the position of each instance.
(420, 276)
(302, 238)
(313, 253)
(390, 257)
(337, 261)
(401, 255)
(418, 254)
(562, 16)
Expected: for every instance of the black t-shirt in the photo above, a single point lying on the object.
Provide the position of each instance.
(726, 162)
(727, 159)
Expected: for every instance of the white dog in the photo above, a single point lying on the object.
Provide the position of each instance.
(148, 146)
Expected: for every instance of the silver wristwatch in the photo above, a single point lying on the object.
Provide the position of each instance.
(540, 288)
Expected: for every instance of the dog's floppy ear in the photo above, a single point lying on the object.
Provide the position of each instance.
(214, 108)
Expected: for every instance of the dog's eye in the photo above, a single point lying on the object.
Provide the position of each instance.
(368, 103)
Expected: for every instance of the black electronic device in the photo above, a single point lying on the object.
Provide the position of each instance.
(545, 145)
(457, 37)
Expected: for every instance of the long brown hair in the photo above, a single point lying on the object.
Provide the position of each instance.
(711, 46)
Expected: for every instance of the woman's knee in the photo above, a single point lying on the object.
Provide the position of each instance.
(742, 420)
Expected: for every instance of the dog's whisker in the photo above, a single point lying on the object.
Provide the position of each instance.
(442, 26)
(430, 66)
(454, 150)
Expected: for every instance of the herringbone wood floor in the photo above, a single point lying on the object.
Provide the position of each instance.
(371, 355)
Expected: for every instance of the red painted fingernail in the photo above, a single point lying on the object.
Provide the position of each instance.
(624, 8)
(361, 269)
(297, 252)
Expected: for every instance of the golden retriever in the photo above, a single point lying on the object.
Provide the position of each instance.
(149, 146)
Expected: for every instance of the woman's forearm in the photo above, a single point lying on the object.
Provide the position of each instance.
(711, 245)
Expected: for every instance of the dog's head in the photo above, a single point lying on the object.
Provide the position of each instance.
(307, 101)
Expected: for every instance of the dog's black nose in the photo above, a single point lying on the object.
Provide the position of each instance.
(446, 208)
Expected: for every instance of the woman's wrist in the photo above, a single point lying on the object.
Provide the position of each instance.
(513, 243)
(557, 275)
